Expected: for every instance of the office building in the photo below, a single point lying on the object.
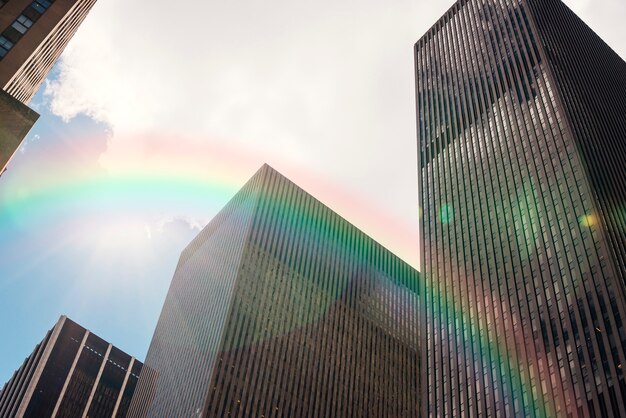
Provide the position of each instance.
(33, 34)
(280, 307)
(522, 154)
(71, 373)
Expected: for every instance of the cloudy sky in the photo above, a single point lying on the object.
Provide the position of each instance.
(159, 111)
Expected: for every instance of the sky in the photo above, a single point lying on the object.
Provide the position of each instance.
(158, 112)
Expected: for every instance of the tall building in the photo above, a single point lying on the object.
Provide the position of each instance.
(280, 307)
(71, 373)
(33, 33)
(522, 152)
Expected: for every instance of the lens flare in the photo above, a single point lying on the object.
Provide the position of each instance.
(446, 214)
(588, 220)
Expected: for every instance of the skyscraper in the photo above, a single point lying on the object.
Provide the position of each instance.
(71, 373)
(280, 307)
(522, 153)
(33, 33)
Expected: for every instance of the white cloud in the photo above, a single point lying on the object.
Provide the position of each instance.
(325, 85)
(184, 224)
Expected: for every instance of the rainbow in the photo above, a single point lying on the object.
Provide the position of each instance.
(209, 174)
(493, 350)
(164, 177)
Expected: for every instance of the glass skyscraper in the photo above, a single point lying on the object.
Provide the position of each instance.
(521, 116)
(281, 308)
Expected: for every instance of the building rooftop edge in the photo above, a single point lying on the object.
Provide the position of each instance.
(451, 11)
(266, 168)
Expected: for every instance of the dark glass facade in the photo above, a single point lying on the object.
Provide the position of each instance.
(521, 149)
(71, 373)
(280, 307)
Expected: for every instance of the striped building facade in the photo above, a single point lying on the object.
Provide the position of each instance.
(522, 152)
(72, 373)
(33, 34)
(280, 307)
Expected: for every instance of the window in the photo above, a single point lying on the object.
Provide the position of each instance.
(40, 5)
(22, 24)
(5, 46)
(5, 43)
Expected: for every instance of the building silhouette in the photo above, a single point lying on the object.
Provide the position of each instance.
(33, 34)
(71, 373)
(280, 307)
(16, 119)
(521, 123)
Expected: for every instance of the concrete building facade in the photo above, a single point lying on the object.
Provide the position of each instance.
(33, 34)
(16, 119)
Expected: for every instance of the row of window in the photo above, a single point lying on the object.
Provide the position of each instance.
(22, 24)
